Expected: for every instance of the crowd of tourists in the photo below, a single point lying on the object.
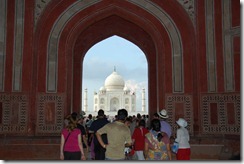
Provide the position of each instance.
(124, 138)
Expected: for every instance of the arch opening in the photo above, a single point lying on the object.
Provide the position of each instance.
(126, 68)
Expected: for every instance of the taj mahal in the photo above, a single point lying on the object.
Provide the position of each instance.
(114, 95)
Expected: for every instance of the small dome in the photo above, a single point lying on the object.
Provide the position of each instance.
(114, 81)
(126, 89)
(102, 89)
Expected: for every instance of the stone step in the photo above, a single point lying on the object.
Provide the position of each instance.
(51, 152)
(47, 148)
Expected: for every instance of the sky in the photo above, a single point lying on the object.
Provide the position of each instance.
(115, 52)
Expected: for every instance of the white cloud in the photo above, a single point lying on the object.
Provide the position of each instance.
(135, 86)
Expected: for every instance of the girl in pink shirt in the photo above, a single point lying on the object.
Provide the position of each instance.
(71, 147)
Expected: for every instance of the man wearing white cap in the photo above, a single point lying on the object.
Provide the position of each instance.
(165, 127)
(182, 137)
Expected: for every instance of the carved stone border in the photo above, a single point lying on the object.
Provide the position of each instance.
(14, 105)
(188, 113)
(50, 129)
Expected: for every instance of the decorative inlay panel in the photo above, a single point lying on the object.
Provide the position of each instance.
(222, 126)
(50, 115)
(186, 100)
(14, 114)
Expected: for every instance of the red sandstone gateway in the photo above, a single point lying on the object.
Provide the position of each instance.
(193, 54)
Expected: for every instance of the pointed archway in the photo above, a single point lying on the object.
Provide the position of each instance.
(71, 29)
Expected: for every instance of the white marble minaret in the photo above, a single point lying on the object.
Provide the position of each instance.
(143, 99)
(85, 101)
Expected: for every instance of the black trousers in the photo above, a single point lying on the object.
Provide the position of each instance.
(99, 152)
(72, 155)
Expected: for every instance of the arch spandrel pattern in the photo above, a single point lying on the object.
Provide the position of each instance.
(40, 5)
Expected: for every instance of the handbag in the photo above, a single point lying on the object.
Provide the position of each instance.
(175, 147)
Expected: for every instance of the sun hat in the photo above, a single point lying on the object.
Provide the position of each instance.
(163, 114)
(181, 122)
(82, 115)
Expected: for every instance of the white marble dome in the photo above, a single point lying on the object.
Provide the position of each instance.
(114, 81)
